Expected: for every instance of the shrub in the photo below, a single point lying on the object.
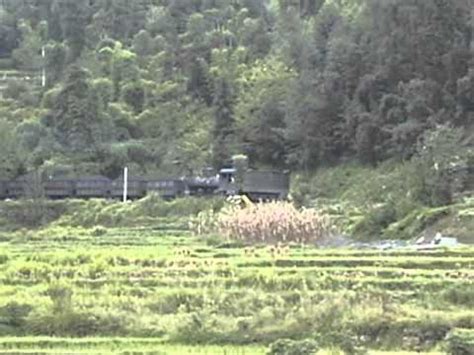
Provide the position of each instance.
(345, 341)
(375, 221)
(269, 222)
(293, 347)
(61, 297)
(4, 258)
(438, 154)
(14, 314)
(75, 324)
(15, 89)
(205, 223)
(460, 342)
(459, 296)
(33, 212)
(98, 231)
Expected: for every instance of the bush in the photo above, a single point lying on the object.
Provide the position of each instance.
(61, 297)
(6, 63)
(14, 314)
(438, 155)
(15, 89)
(98, 231)
(155, 206)
(375, 221)
(293, 347)
(344, 340)
(33, 212)
(62, 324)
(270, 223)
(151, 209)
(460, 296)
(4, 258)
(460, 342)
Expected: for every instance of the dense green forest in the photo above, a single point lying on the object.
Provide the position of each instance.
(171, 86)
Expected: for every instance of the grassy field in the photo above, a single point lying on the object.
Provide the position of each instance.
(159, 290)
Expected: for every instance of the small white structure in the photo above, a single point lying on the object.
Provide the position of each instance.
(439, 241)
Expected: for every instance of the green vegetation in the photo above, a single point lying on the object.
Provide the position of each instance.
(383, 203)
(333, 90)
(461, 342)
(158, 286)
(171, 86)
(17, 215)
(145, 346)
(369, 103)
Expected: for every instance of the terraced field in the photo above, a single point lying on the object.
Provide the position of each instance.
(161, 290)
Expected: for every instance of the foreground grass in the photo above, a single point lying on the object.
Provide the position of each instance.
(48, 345)
(148, 288)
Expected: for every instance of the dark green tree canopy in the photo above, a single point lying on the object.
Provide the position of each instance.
(299, 84)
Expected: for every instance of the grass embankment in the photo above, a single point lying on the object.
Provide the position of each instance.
(388, 202)
(166, 286)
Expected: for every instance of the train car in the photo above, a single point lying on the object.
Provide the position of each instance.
(92, 187)
(19, 187)
(3, 189)
(166, 188)
(256, 184)
(59, 188)
(266, 185)
(136, 187)
(202, 186)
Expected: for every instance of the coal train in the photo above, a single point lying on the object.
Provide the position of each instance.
(256, 184)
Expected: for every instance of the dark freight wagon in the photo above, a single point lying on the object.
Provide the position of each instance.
(3, 189)
(19, 187)
(58, 188)
(266, 185)
(136, 187)
(256, 184)
(167, 189)
(93, 187)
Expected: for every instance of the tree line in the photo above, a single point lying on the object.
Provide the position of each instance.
(171, 86)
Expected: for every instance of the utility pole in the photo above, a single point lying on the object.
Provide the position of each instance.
(43, 75)
(125, 184)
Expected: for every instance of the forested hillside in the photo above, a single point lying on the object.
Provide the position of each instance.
(171, 86)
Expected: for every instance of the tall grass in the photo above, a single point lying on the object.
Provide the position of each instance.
(274, 222)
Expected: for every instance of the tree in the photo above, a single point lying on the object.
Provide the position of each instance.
(28, 55)
(74, 15)
(439, 156)
(225, 69)
(76, 112)
(56, 54)
(143, 43)
(124, 67)
(12, 157)
(134, 95)
(260, 111)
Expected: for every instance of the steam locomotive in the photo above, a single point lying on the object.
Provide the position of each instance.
(256, 184)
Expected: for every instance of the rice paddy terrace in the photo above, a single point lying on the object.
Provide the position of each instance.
(159, 290)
